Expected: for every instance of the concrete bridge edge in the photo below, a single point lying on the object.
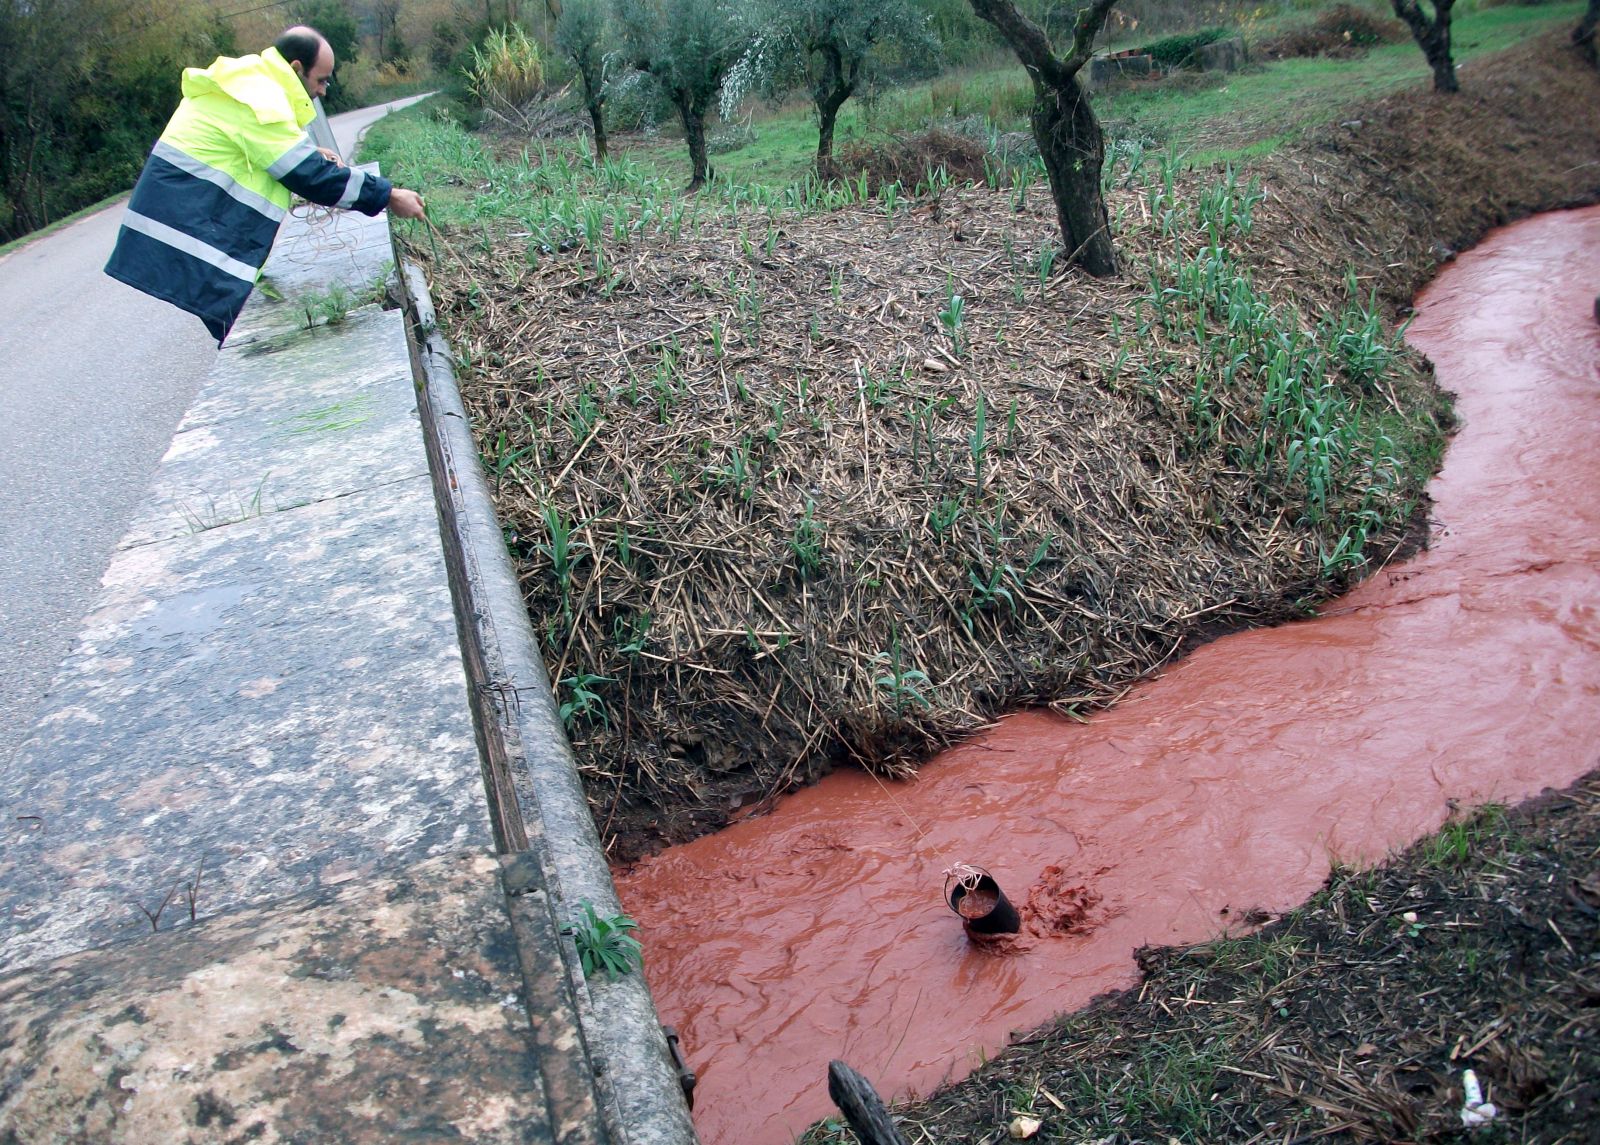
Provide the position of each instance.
(540, 816)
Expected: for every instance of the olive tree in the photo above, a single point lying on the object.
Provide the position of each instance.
(1433, 37)
(582, 35)
(686, 47)
(839, 48)
(1065, 127)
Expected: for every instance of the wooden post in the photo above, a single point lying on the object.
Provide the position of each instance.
(861, 1106)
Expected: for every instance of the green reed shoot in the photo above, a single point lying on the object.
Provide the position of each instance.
(737, 472)
(503, 459)
(876, 389)
(664, 385)
(900, 681)
(989, 588)
(1357, 339)
(1021, 180)
(944, 516)
(631, 633)
(806, 542)
(889, 193)
(562, 551)
(953, 313)
(583, 701)
(978, 445)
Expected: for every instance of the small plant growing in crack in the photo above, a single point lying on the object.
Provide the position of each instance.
(155, 916)
(328, 307)
(604, 943)
(191, 894)
(191, 889)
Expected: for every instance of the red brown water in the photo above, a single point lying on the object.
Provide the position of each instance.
(1467, 675)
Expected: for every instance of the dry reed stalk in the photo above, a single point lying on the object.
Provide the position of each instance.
(795, 548)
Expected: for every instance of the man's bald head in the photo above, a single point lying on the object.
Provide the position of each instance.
(310, 55)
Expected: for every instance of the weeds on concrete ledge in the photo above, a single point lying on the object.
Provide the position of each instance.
(604, 943)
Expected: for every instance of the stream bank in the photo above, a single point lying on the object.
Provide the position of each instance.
(1227, 786)
(760, 535)
(1352, 1019)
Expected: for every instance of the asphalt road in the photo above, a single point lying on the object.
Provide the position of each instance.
(94, 378)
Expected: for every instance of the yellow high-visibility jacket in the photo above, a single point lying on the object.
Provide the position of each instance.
(217, 185)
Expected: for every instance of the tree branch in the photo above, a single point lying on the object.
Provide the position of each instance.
(1032, 46)
(1090, 21)
(1411, 12)
(1026, 38)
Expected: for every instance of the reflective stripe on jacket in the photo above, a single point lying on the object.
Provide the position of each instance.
(217, 184)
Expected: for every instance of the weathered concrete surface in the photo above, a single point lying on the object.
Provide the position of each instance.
(266, 712)
(389, 1009)
(279, 700)
(279, 425)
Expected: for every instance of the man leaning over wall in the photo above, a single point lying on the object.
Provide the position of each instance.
(217, 185)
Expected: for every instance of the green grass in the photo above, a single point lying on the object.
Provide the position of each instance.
(1248, 113)
(1459, 841)
(17, 244)
(1256, 111)
(1213, 119)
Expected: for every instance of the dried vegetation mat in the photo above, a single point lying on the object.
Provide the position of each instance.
(1351, 1019)
(793, 486)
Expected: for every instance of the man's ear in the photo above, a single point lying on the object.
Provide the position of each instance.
(298, 69)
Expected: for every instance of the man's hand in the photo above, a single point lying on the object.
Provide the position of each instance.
(330, 155)
(405, 204)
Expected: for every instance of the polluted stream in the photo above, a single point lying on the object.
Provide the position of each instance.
(1212, 796)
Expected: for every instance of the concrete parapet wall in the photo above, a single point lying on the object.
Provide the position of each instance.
(540, 815)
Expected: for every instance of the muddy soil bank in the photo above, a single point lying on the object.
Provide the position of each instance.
(738, 465)
(1405, 182)
(1224, 787)
(1352, 1019)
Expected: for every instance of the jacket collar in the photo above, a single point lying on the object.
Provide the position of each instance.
(289, 80)
(266, 84)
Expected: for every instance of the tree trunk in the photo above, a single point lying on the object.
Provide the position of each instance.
(1065, 127)
(1073, 149)
(694, 133)
(598, 118)
(1444, 68)
(827, 116)
(1583, 36)
(1433, 37)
